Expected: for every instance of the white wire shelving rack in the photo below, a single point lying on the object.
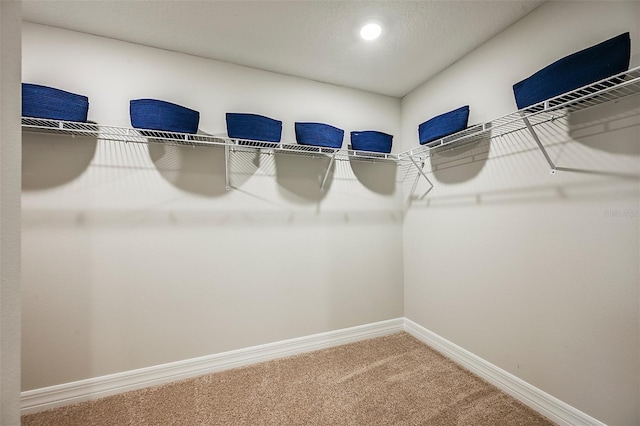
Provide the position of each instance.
(527, 119)
(524, 120)
(132, 135)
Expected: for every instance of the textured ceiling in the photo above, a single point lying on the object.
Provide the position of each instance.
(316, 40)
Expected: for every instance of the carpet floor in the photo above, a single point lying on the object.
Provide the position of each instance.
(391, 380)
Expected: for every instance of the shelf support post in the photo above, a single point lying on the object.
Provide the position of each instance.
(227, 180)
(535, 137)
(326, 175)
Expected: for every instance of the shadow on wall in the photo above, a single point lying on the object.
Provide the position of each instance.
(49, 160)
(199, 170)
(243, 165)
(618, 120)
(460, 163)
(300, 177)
(379, 177)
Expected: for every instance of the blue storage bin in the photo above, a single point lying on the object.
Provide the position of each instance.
(53, 104)
(579, 69)
(154, 114)
(371, 140)
(443, 125)
(319, 134)
(253, 127)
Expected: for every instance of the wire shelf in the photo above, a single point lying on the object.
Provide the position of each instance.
(607, 90)
(131, 135)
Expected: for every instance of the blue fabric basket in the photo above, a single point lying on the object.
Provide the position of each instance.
(579, 69)
(443, 125)
(53, 104)
(153, 114)
(371, 140)
(319, 134)
(253, 127)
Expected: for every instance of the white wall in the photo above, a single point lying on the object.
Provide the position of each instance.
(535, 273)
(10, 16)
(135, 255)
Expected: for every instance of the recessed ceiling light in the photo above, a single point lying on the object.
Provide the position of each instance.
(370, 31)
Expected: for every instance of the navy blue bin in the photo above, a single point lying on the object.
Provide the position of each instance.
(53, 104)
(319, 134)
(371, 140)
(443, 125)
(579, 69)
(154, 114)
(253, 127)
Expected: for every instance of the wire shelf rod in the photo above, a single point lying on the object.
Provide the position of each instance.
(606, 90)
(126, 134)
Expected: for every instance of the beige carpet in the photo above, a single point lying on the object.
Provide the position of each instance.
(392, 380)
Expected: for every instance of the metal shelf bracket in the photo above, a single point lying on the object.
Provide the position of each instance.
(535, 137)
(326, 175)
(415, 183)
(227, 180)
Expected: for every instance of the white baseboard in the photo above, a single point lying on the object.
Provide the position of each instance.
(542, 402)
(84, 390)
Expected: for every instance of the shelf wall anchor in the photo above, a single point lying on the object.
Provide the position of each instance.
(535, 137)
